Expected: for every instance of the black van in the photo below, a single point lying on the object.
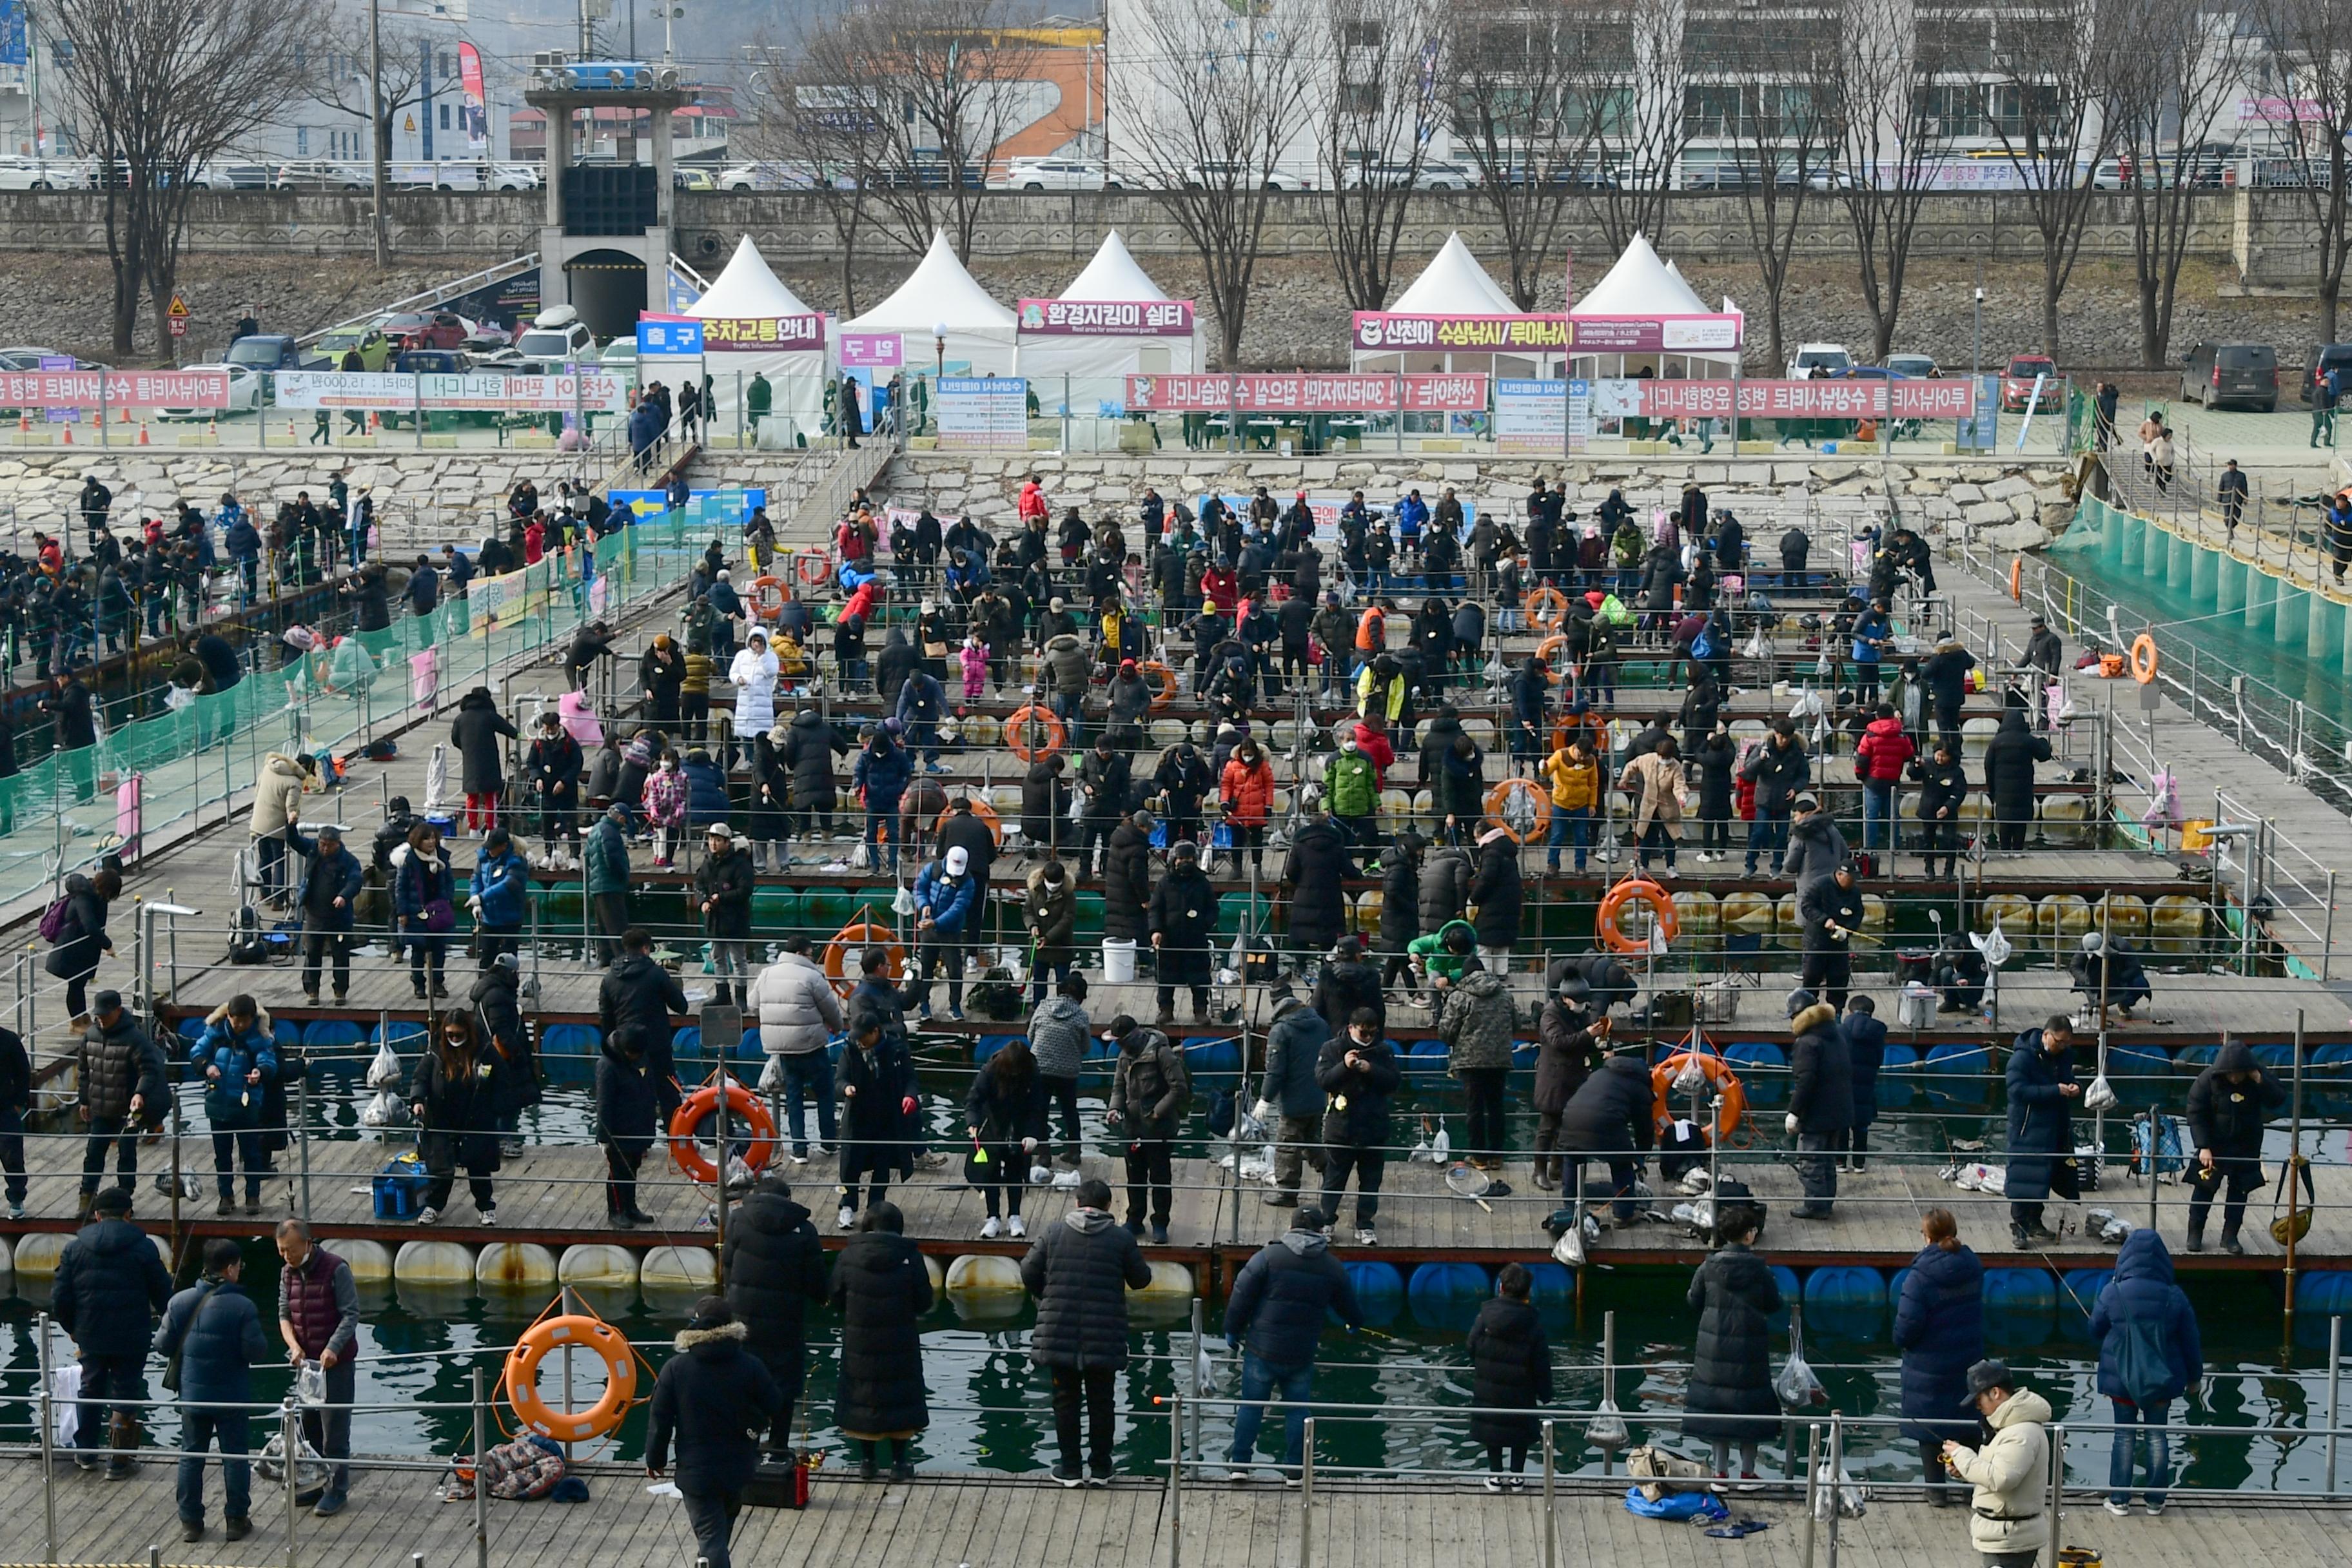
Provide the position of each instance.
(2323, 358)
(2243, 373)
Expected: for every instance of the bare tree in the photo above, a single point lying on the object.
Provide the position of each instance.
(1887, 140)
(1627, 99)
(160, 88)
(1206, 122)
(2052, 108)
(2170, 88)
(818, 132)
(337, 79)
(1377, 113)
(1517, 118)
(2308, 37)
(933, 86)
(1778, 123)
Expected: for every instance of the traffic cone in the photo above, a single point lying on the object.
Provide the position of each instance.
(291, 433)
(24, 423)
(375, 420)
(68, 430)
(213, 425)
(123, 415)
(143, 433)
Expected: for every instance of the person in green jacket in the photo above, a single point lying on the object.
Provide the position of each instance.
(605, 865)
(758, 399)
(1352, 788)
(1439, 954)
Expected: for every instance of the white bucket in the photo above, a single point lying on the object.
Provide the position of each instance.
(1119, 961)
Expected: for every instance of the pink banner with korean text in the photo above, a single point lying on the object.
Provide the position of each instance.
(1389, 332)
(1841, 399)
(1306, 394)
(122, 389)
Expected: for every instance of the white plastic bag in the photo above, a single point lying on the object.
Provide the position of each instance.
(385, 1111)
(772, 1076)
(1606, 1430)
(2101, 1095)
(310, 1383)
(65, 1415)
(310, 1470)
(1796, 1384)
(1570, 1248)
(1441, 1148)
(385, 1071)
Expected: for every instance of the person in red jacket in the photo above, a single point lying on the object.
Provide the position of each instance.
(1879, 760)
(1246, 789)
(1372, 739)
(1031, 502)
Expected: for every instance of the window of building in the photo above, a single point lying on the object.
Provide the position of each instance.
(301, 142)
(1359, 98)
(1362, 34)
(445, 117)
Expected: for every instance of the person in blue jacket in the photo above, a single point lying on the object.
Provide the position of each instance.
(1411, 515)
(2149, 1355)
(1865, 1048)
(1940, 1329)
(1273, 1317)
(500, 898)
(947, 896)
(922, 704)
(237, 1060)
(213, 1330)
(880, 777)
(706, 788)
(1873, 630)
(2042, 1096)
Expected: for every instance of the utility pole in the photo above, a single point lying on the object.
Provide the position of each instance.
(376, 130)
(33, 87)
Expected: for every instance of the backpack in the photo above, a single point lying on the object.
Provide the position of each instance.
(246, 942)
(57, 920)
(2143, 1361)
(1702, 644)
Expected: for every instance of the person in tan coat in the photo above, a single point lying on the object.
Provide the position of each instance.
(276, 806)
(2008, 1523)
(1655, 783)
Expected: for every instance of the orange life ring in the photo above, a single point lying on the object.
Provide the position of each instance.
(1614, 902)
(980, 809)
(1499, 797)
(814, 568)
(862, 932)
(1162, 681)
(2144, 659)
(704, 1103)
(1553, 608)
(768, 597)
(1022, 730)
(2017, 579)
(1550, 650)
(1730, 1094)
(597, 1337)
(1596, 735)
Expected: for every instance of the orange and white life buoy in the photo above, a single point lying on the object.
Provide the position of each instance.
(1162, 681)
(2017, 579)
(980, 809)
(1596, 734)
(577, 1332)
(814, 568)
(1546, 608)
(768, 597)
(1612, 905)
(2143, 659)
(1500, 811)
(1032, 732)
(744, 1107)
(1553, 651)
(1729, 1094)
(859, 934)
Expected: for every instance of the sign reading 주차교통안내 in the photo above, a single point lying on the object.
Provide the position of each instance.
(1104, 318)
(983, 412)
(761, 334)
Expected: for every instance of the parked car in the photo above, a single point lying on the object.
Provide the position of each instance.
(768, 175)
(1053, 175)
(428, 330)
(557, 335)
(268, 352)
(1432, 176)
(693, 180)
(18, 173)
(247, 389)
(2246, 373)
(1202, 176)
(2017, 385)
(2321, 359)
(1830, 357)
(1915, 367)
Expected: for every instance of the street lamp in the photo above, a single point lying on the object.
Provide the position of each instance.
(938, 348)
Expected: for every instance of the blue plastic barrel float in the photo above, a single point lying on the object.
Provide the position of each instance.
(2020, 1305)
(581, 1041)
(1447, 1295)
(1212, 1059)
(1763, 1070)
(2140, 1075)
(1793, 1290)
(2078, 1294)
(1380, 1290)
(1554, 1284)
(1846, 1301)
(1898, 1078)
(1956, 1075)
(1423, 1058)
(2319, 1295)
(988, 1046)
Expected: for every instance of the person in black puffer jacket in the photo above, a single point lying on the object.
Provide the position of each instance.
(1317, 866)
(773, 1267)
(1609, 1119)
(1183, 920)
(1731, 1398)
(1277, 1308)
(111, 1282)
(1127, 881)
(1820, 1100)
(1568, 1051)
(495, 999)
(628, 1101)
(1080, 1272)
(715, 1400)
(1357, 1072)
(1510, 1368)
(881, 1289)
(1400, 905)
(2228, 1105)
(1348, 982)
(1496, 893)
(1291, 1098)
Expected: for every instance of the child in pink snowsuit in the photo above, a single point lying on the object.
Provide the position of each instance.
(975, 669)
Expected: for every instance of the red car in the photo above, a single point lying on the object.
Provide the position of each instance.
(428, 330)
(2017, 383)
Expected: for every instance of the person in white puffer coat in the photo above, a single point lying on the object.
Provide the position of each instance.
(799, 1015)
(753, 674)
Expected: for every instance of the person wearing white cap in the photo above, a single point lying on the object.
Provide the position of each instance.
(947, 897)
(722, 887)
(754, 675)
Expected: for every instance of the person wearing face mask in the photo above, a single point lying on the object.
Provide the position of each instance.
(2228, 1105)
(1357, 1072)
(1352, 788)
(1245, 790)
(455, 1100)
(1184, 780)
(1184, 922)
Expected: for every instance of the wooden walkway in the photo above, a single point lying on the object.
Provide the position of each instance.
(983, 1520)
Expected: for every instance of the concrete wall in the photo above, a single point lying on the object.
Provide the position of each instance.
(795, 230)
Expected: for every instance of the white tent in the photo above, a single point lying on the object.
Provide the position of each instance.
(798, 378)
(1641, 284)
(1453, 284)
(943, 316)
(1112, 276)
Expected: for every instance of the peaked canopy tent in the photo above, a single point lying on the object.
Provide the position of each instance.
(1643, 285)
(944, 318)
(1107, 346)
(1455, 285)
(796, 361)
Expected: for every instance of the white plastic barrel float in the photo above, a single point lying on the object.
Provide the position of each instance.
(2014, 911)
(1873, 916)
(985, 1280)
(678, 1269)
(2066, 820)
(1746, 913)
(7, 1265)
(433, 1263)
(1789, 927)
(1481, 732)
(1365, 917)
(36, 1253)
(1166, 1299)
(2125, 914)
(2178, 920)
(597, 1266)
(1166, 733)
(1396, 810)
(1699, 914)
(371, 1261)
(2061, 919)
(938, 1276)
(514, 1266)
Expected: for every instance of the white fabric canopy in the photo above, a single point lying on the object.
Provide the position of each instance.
(1641, 285)
(979, 336)
(750, 290)
(1104, 364)
(1454, 284)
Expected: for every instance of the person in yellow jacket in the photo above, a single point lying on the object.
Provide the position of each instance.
(1574, 774)
(1379, 688)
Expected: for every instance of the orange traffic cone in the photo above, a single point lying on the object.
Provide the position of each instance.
(143, 433)
(24, 423)
(291, 433)
(123, 415)
(68, 430)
